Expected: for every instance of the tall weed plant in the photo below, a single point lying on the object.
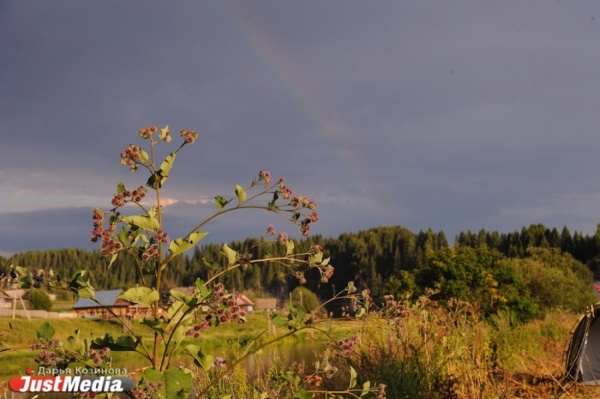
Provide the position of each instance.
(134, 225)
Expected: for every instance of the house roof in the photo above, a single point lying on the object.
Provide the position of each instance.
(106, 298)
(243, 300)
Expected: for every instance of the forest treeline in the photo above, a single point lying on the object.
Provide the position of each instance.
(527, 272)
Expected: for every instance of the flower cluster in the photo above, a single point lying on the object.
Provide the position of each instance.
(45, 344)
(282, 239)
(188, 135)
(194, 331)
(147, 389)
(327, 274)
(131, 156)
(285, 191)
(302, 202)
(346, 345)
(265, 177)
(146, 133)
(109, 245)
(219, 362)
(38, 276)
(136, 196)
(299, 202)
(296, 203)
(381, 394)
(227, 307)
(48, 356)
(393, 308)
(161, 236)
(99, 357)
(98, 217)
(150, 252)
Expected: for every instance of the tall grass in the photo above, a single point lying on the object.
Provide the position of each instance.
(448, 352)
(433, 351)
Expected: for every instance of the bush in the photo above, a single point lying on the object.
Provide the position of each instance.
(39, 300)
(304, 299)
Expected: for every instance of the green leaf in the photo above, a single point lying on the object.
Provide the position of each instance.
(154, 376)
(366, 388)
(156, 325)
(125, 343)
(203, 291)
(120, 188)
(22, 275)
(157, 179)
(240, 193)
(142, 295)
(113, 258)
(353, 376)
(164, 133)
(85, 292)
(46, 331)
(80, 282)
(181, 245)
(166, 166)
(303, 394)
(187, 299)
(143, 222)
(272, 205)
(178, 383)
(279, 321)
(144, 157)
(154, 181)
(201, 360)
(210, 265)
(221, 202)
(229, 253)
(315, 259)
(293, 378)
(289, 248)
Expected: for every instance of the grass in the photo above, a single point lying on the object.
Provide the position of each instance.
(444, 352)
(20, 333)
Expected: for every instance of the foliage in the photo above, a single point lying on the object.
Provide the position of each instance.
(556, 280)
(477, 275)
(305, 299)
(39, 299)
(427, 349)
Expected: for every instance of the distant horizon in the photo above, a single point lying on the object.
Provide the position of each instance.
(451, 240)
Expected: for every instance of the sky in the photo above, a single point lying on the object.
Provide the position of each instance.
(450, 115)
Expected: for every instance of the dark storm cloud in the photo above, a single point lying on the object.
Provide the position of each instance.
(449, 115)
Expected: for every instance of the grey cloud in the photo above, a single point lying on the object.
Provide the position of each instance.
(450, 115)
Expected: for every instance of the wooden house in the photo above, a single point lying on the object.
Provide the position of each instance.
(265, 304)
(109, 306)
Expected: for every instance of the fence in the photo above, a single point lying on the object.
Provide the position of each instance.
(37, 314)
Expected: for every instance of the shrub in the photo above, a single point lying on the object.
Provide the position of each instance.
(39, 300)
(305, 299)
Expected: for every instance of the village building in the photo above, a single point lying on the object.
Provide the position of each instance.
(108, 306)
(265, 304)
